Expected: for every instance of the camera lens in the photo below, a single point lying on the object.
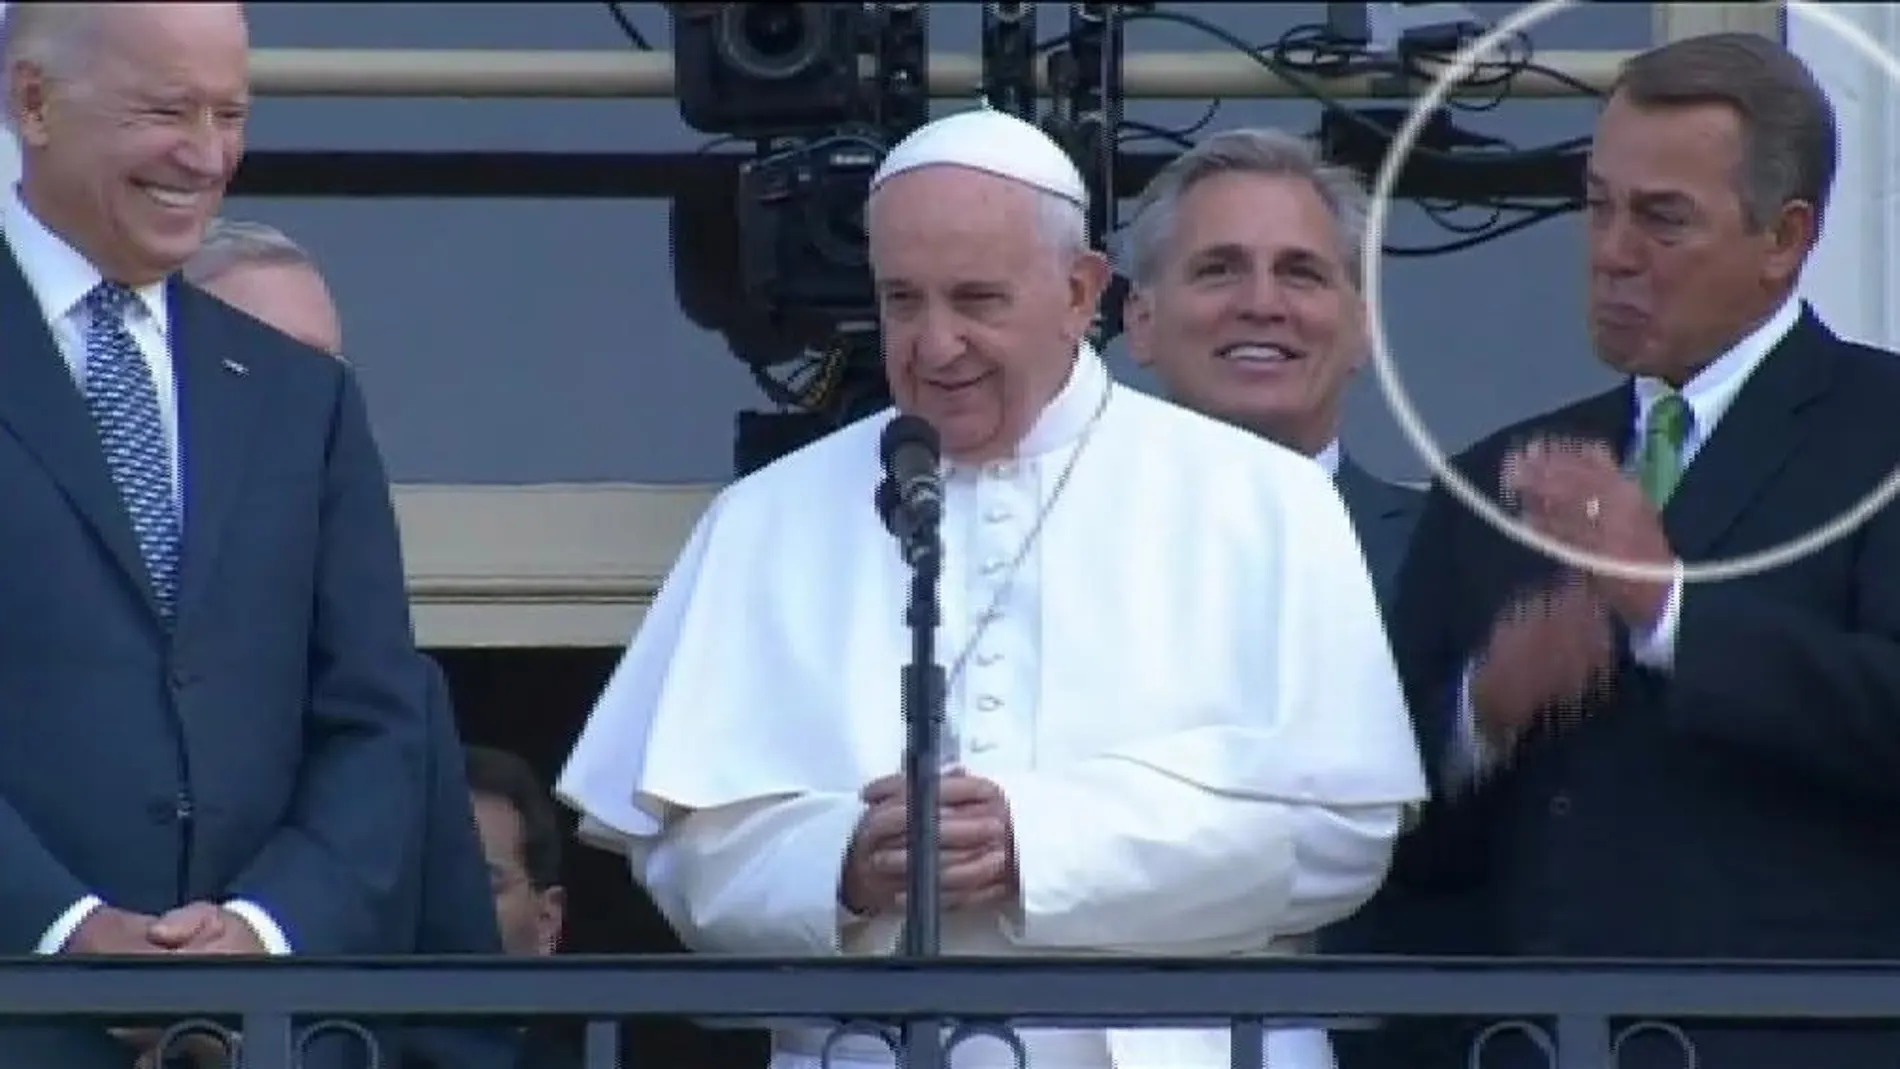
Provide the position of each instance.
(772, 41)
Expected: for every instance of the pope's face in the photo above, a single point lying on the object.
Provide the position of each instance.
(980, 314)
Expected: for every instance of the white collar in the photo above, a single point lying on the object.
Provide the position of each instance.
(59, 276)
(1713, 389)
(1065, 417)
(1328, 458)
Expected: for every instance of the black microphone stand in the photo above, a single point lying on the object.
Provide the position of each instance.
(923, 688)
(923, 700)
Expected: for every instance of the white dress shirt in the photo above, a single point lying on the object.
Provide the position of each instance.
(1708, 395)
(1328, 458)
(60, 279)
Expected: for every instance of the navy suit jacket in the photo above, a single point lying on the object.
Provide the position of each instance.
(269, 744)
(452, 910)
(1739, 806)
(1383, 515)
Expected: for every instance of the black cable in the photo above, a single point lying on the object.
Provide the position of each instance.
(627, 27)
(1182, 136)
(1501, 230)
(1310, 52)
(1325, 99)
(1314, 50)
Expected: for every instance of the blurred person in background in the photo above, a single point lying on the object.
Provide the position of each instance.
(521, 840)
(259, 271)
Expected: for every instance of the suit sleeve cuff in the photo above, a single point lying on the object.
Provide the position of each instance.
(1469, 758)
(61, 930)
(269, 932)
(1657, 650)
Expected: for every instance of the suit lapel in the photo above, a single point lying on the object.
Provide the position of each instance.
(1753, 440)
(1366, 498)
(42, 406)
(218, 411)
(1608, 417)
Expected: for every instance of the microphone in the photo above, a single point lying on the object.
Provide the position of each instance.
(911, 452)
(886, 498)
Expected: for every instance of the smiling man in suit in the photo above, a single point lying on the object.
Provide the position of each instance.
(215, 725)
(1645, 767)
(1245, 301)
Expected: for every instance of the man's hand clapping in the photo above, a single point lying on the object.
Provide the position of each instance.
(978, 859)
(1548, 652)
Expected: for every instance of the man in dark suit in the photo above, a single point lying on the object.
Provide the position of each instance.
(1640, 765)
(1243, 254)
(1246, 302)
(261, 272)
(215, 707)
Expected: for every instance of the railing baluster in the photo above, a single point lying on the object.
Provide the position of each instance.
(1249, 1044)
(1583, 1041)
(269, 1041)
(600, 1045)
(923, 1044)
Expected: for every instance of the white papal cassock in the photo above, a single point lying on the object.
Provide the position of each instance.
(1186, 697)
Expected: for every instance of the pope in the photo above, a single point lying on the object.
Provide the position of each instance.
(1178, 724)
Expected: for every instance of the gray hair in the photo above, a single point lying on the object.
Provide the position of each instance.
(51, 36)
(1062, 223)
(230, 244)
(1270, 152)
(1790, 144)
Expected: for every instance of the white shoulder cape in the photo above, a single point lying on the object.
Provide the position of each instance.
(1205, 611)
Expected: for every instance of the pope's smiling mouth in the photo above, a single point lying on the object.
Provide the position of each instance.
(953, 387)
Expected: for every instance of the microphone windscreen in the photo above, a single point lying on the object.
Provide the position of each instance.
(887, 501)
(904, 432)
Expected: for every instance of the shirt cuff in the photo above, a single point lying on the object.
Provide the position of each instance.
(1469, 758)
(1657, 650)
(61, 930)
(268, 931)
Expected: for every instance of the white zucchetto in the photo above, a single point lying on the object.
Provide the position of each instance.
(992, 141)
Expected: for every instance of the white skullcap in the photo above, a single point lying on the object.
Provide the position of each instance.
(992, 141)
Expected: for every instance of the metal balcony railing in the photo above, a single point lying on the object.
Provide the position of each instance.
(1577, 1012)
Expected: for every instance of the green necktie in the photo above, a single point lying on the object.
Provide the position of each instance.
(1659, 465)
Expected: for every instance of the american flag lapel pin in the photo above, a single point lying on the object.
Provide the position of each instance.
(236, 368)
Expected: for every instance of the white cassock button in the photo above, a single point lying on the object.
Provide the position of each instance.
(988, 658)
(994, 565)
(996, 515)
(988, 703)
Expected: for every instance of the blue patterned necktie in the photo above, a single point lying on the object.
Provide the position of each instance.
(124, 404)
